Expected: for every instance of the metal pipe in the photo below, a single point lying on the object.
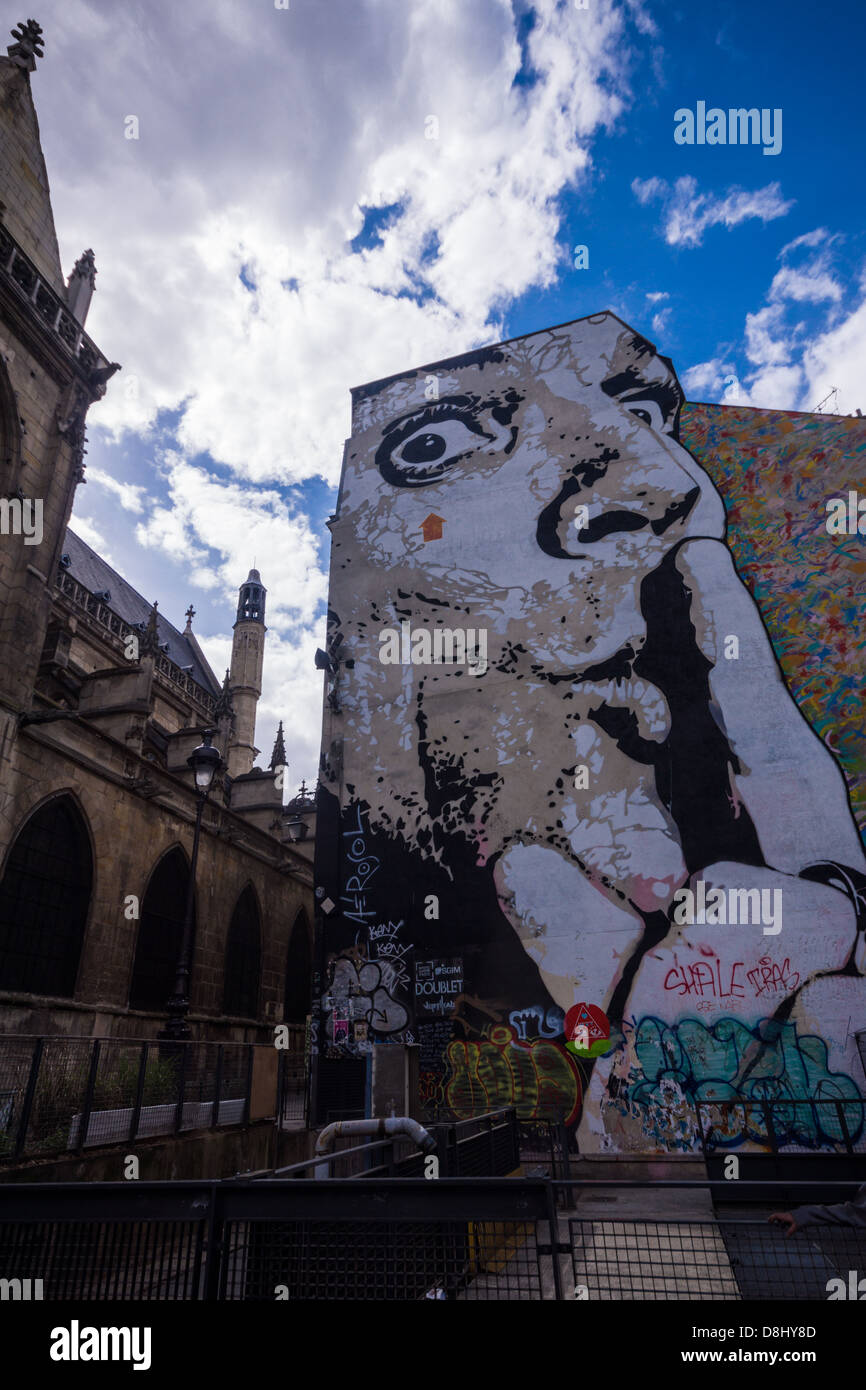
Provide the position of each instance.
(385, 1128)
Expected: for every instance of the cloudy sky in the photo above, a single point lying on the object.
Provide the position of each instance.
(328, 192)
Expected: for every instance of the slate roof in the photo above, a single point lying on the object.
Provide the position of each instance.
(97, 576)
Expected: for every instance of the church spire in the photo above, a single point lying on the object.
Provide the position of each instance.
(150, 640)
(80, 286)
(278, 757)
(245, 679)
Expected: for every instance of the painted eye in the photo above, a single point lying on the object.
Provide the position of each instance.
(425, 454)
(648, 411)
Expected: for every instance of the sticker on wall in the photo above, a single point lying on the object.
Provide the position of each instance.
(587, 1031)
(438, 984)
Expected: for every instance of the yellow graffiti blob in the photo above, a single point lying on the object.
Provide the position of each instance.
(537, 1078)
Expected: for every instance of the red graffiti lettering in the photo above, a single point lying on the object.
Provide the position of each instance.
(702, 978)
(770, 978)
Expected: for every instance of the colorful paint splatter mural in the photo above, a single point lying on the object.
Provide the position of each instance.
(775, 471)
(561, 763)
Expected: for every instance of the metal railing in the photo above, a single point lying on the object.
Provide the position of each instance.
(779, 1126)
(63, 1095)
(19, 272)
(783, 1126)
(488, 1146)
(99, 612)
(458, 1239)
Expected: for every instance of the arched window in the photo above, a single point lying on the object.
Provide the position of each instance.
(299, 972)
(10, 421)
(160, 933)
(243, 958)
(44, 899)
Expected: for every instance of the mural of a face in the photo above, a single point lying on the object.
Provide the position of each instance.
(625, 732)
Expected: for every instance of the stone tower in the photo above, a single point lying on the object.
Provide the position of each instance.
(245, 674)
(50, 373)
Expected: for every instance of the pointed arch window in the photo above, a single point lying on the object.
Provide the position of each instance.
(44, 901)
(243, 958)
(160, 932)
(299, 972)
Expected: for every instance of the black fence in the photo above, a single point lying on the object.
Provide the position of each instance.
(487, 1146)
(783, 1126)
(65, 1095)
(776, 1125)
(455, 1239)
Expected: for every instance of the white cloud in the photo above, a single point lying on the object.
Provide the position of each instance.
(812, 284)
(708, 378)
(655, 296)
(762, 347)
(837, 357)
(259, 142)
(130, 495)
(812, 239)
(263, 135)
(204, 514)
(794, 364)
(687, 214)
(647, 189)
(92, 536)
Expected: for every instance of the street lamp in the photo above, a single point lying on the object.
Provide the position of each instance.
(297, 830)
(204, 761)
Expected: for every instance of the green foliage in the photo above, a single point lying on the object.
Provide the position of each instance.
(61, 1089)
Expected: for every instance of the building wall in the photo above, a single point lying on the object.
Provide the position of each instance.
(499, 843)
(129, 834)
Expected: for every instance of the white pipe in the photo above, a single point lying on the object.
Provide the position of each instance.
(398, 1124)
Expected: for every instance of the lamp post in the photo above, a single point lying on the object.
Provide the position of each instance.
(204, 761)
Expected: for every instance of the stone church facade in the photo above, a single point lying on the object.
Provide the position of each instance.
(102, 700)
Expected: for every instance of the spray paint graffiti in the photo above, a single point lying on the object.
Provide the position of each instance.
(678, 1064)
(371, 992)
(538, 1078)
(709, 979)
(537, 1022)
(616, 747)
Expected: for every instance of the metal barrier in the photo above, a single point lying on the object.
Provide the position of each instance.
(458, 1239)
(777, 1126)
(487, 1146)
(61, 1094)
(791, 1126)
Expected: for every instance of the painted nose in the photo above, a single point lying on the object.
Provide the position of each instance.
(639, 498)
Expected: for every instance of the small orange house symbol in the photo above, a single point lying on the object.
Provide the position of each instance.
(431, 526)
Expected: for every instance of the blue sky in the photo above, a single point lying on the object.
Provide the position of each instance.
(323, 195)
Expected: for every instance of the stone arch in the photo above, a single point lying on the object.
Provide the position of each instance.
(45, 895)
(243, 959)
(10, 430)
(160, 931)
(299, 971)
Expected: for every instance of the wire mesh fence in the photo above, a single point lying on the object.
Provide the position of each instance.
(66, 1094)
(830, 1124)
(459, 1239)
(708, 1261)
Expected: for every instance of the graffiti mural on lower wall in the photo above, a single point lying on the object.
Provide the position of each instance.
(562, 772)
